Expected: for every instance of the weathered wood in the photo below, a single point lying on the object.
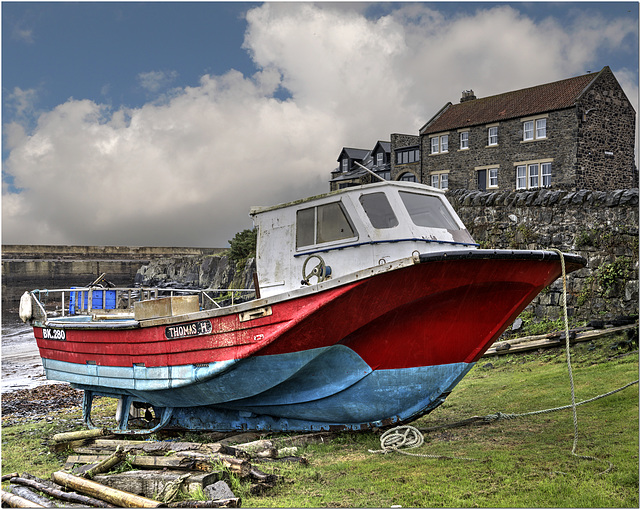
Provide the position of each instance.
(152, 482)
(24, 492)
(152, 462)
(260, 476)
(225, 502)
(59, 494)
(284, 459)
(6, 477)
(79, 435)
(156, 448)
(106, 464)
(550, 340)
(94, 489)
(15, 501)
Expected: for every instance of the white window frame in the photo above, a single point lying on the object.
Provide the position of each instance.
(534, 177)
(492, 178)
(444, 181)
(440, 179)
(444, 143)
(345, 165)
(534, 128)
(541, 127)
(527, 128)
(545, 174)
(464, 140)
(435, 145)
(492, 139)
(435, 181)
(534, 174)
(379, 158)
(521, 176)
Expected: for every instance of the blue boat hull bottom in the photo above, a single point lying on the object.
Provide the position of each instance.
(321, 389)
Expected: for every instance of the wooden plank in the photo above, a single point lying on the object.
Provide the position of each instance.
(153, 462)
(536, 342)
(152, 482)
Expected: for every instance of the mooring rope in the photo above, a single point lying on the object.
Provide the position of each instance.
(411, 438)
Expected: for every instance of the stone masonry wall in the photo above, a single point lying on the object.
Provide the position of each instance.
(600, 226)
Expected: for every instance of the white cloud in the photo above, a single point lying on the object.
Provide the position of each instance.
(153, 81)
(186, 171)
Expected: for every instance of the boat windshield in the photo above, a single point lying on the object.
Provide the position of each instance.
(426, 210)
(324, 223)
(379, 211)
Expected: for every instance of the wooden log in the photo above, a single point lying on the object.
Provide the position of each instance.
(106, 464)
(260, 476)
(149, 462)
(94, 489)
(70, 436)
(59, 494)
(224, 502)
(6, 477)
(551, 340)
(16, 501)
(284, 459)
(26, 493)
(152, 482)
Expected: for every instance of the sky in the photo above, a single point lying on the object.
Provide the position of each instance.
(162, 123)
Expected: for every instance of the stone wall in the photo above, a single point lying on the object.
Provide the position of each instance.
(600, 226)
(605, 151)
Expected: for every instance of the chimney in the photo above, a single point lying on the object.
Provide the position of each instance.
(467, 95)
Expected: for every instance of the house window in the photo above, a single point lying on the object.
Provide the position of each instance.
(440, 180)
(407, 156)
(440, 144)
(521, 177)
(379, 158)
(407, 177)
(541, 128)
(546, 174)
(345, 165)
(493, 135)
(493, 177)
(533, 175)
(434, 145)
(464, 140)
(444, 143)
(528, 130)
(534, 129)
(384, 174)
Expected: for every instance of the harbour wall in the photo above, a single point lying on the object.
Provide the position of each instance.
(27, 267)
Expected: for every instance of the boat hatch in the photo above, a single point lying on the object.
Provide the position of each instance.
(338, 233)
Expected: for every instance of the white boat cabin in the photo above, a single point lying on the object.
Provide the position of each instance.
(352, 229)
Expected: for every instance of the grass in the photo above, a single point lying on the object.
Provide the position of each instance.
(525, 462)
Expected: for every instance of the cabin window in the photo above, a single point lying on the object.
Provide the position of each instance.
(324, 223)
(428, 211)
(379, 211)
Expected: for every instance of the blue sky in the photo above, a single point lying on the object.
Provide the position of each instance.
(186, 114)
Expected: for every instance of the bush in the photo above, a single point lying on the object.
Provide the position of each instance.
(243, 245)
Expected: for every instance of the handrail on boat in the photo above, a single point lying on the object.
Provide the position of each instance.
(123, 298)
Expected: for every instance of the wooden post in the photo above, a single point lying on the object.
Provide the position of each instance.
(106, 464)
(59, 494)
(79, 435)
(16, 501)
(26, 493)
(94, 489)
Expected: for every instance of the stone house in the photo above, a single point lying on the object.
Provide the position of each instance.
(576, 133)
(348, 173)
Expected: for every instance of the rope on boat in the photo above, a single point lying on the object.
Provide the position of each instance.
(410, 437)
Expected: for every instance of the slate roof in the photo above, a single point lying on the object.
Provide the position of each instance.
(516, 104)
(354, 153)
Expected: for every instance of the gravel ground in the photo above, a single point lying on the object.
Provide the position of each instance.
(33, 404)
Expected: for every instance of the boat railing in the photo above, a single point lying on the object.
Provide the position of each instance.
(118, 302)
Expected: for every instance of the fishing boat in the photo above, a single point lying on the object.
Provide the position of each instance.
(371, 303)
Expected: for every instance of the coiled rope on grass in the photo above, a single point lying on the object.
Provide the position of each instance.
(411, 438)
